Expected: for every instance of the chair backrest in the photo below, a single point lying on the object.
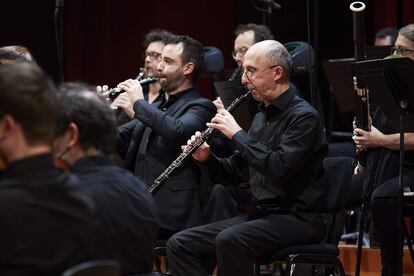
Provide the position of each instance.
(95, 268)
(336, 180)
(213, 59)
(303, 57)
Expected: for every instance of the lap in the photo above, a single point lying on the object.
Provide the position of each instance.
(261, 236)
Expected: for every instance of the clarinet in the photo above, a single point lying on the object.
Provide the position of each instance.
(362, 112)
(205, 135)
(114, 92)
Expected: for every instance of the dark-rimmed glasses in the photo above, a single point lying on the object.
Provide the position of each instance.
(153, 55)
(253, 73)
(241, 51)
(401, 51)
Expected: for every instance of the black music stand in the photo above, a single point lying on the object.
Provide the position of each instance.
(391, 85)
(228, 91)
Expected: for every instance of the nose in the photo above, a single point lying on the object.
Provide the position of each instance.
(239, 58)
(245, 79)
(160, 66)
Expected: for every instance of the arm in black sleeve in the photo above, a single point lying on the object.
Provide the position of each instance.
(227, 171)
(124, 137)
(198, 113)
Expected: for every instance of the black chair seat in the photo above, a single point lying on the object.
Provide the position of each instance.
(308, 249)
(150, 274)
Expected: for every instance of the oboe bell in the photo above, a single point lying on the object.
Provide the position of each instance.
(114, 92)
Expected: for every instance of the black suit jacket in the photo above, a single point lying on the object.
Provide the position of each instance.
(150, 143)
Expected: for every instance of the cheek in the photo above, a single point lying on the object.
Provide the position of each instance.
(57, 145)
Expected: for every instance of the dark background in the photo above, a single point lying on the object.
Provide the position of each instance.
(102, 38)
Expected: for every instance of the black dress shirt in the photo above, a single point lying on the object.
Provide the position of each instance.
(45, 219)
(281, 155)
(159, 98)
(125, 225)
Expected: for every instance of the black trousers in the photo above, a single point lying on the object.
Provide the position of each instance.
(387, 221)
(235, 243)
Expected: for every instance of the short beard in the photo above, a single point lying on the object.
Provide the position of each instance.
(171, 84)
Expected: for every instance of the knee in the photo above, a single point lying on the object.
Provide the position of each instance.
(174, 243)
(227, 237)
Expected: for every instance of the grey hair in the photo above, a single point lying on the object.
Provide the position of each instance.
(408, 32)
(278, 54)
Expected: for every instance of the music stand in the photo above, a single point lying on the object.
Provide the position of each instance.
(230, 90)
(390, 83)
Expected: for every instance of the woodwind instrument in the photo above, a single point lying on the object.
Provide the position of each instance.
(191, 149)
(114, 92)
(362, 118)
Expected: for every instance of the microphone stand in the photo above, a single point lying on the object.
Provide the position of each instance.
(269, 6)
(59, 20)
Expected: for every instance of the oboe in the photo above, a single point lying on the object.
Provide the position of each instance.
(191, 149)
(114, 92)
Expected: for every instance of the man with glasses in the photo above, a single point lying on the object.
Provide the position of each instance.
(152, 140)
(281, 156)
(384, 149)
(225, 202)
(246, 36)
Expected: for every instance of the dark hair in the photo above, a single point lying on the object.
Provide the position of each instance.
(193, 52)
(157, 35)
(261, 32)
(388, 31)
(408, 32)
(91, 114)
(29, 96)
(11, 56)
(16, 53)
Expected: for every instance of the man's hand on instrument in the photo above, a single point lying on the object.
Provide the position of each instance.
(368, 139)
(203, 152)
(133, 88)
(102, 89)
(123, 102)
(225, 122)
(219, 104)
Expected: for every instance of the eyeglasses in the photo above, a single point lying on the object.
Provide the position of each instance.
(253, 73)
(153, 55)
(400, 51)
(241, 50)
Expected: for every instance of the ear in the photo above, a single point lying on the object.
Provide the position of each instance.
(71, 135)
(278, 73)
(188, 68)
(7, 125)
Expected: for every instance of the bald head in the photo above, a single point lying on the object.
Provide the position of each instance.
(271, 52)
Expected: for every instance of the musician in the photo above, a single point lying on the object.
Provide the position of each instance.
(45, 215)
(225, 201)
(281, 155)
(125, 227)
(246, 36)
(153, 43)
(386, 36)
(384, 147)
(153, 139)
